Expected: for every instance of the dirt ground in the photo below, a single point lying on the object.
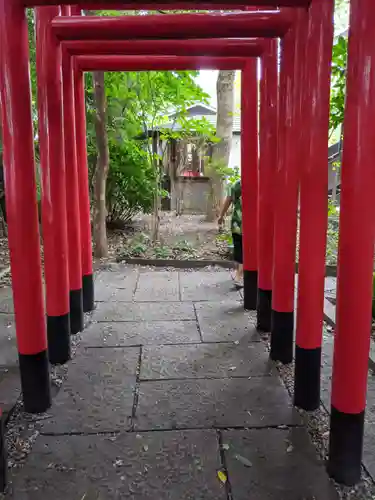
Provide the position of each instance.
(182, 237)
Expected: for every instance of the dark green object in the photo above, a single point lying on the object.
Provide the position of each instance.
(236, 195)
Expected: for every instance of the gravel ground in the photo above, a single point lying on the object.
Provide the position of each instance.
(4, 252)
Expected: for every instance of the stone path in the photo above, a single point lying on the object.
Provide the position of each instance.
(171, 396)
(9, 375)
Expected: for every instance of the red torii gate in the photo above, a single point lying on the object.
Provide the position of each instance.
(50, 59)
(219, 47)
(271, 23)
(187, 5)
(310, 63)
(254, 23)
(155, 63)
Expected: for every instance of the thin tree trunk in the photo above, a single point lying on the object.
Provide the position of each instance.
(173, 173)
(102, 167)
(224, 132)
(156, 203)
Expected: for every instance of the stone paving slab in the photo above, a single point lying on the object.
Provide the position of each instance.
(8, 341)
(207, 285)
(108, 293)
(258, 402)
(226, 321)
(115, 285)
(6, 300)
(10, 389)
(144, 311)
(98, 394)
(270, 471)
(148, 466)
(205, 361)
(119, 277)
(140, 333)
(157, 287)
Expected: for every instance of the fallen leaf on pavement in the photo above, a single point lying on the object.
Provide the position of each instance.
(222, 476)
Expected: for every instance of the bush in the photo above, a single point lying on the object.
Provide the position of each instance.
(373, 295)
(130, 183)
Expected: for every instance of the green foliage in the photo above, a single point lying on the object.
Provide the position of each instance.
(162, 252)
(138, 249)
(338, 87)
(183, 246)
(225, 237)
(219, 168)
(138, 103)
(332, 239)
(130, 183)
(234, 176)
(332, 209)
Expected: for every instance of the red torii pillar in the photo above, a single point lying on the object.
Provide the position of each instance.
(3, 461)
(52, 160)
(267, 171)
(317, 33)
(356, 252)
(83, 187)
(22, 210)
(286, 195)
(249, 180)
(72, 196)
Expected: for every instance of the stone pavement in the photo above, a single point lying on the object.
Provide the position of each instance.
(9, 375)
(171, 396)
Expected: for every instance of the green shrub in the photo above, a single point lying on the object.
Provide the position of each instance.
(373, 295)
(183, 246)
(162, 252)
(130, 183)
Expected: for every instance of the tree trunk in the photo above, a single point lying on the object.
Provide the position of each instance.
(102, 167)
(156, 203)
(173, 173)
(224, 132)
